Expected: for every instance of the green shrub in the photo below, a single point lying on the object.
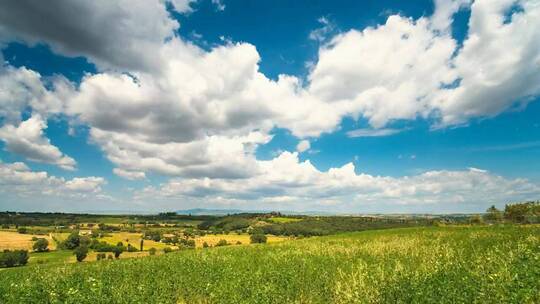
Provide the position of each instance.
(152, 251)
(12, 258)
(258, 238)
(41, 245)
(80, 253)
(222, 243)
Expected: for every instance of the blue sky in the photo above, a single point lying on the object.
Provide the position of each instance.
(415, 106)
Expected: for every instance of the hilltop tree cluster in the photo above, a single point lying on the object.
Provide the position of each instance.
(526, 213)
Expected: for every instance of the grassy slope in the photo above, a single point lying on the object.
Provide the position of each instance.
(435, 265)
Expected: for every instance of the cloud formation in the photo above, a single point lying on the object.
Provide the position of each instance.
(161, 104)
(286, 181)
(18, 180)
(28, 140)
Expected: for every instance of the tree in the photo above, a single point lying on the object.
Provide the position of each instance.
(142, 244)
(476, 219)
(117, 250)
(13, 258)
(72, 241)
(493, 214)
(222, 243)
(41, 245)
(101, 256)
(258, 238)
(523, 212)
(80, 253)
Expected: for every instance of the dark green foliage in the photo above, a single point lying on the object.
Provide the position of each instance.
(72, 241)
(152, 251)
(22, 230)
(493, 214)
(326, 225)
(205, 245)
(41, 245)
(222, 243)
(101, 256)
(12, 258)
(118, 250)
(476, 219)
(131, 248)
(153, 235)
(257, 238)
(80, 253)
(528, 212)
(167, 249)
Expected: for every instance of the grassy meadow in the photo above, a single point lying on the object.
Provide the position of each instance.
(466, 264)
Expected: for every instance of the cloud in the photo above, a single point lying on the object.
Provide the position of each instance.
(18, 180)
(28, 140)
(303, 146)
(113, 34)
(385, 73)
(85, 184)
(220, 6)
(182, 6)
(299, 184)
(506, 147)
(21, 88)
(444, 12)
(373, 132)
(161, 104)
(131, 175)
(322, 33)
(499, 64)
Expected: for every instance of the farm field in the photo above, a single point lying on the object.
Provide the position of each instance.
(15, 240)
(133, 239)
(233, 238)
(480, 264)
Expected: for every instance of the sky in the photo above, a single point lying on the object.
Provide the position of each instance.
(332, 106)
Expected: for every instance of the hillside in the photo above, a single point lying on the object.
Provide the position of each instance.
(486, 264)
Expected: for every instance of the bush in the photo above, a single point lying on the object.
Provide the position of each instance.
(222, 243)
(131, 248)
(167, 249)
(41, 245)
(152, 251)
(72, 241)
(22, 230)
(205, 245)
(476, 219)
(101, 256)
(80, 253)
(258, 238)
(117, 251)
(13, 258)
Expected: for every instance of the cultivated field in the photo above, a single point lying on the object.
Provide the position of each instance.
(233, 238)
(14, 240)
(475, 264)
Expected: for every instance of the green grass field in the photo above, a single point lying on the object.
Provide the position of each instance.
(277, 219)
(410, 265)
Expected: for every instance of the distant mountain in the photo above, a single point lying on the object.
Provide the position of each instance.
(202, 211)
